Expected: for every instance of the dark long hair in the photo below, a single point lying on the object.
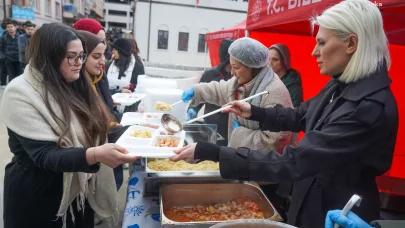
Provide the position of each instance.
(122, 63)
(48, 48)
(135, 49)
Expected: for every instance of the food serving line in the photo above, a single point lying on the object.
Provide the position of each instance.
(163, 193)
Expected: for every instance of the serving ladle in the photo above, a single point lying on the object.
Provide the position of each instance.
(173, 125)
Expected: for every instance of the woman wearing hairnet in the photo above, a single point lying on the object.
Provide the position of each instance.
(252, 75)
(351, 125)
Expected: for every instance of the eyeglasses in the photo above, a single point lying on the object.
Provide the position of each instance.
(73, 60)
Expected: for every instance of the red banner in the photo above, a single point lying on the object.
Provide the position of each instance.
(270, 13)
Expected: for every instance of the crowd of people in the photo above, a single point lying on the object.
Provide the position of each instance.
(14, 42)
(63, 123)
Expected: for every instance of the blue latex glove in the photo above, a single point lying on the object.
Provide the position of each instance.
(188, 95)
(191, 113)
(235, 124)
(349, 221)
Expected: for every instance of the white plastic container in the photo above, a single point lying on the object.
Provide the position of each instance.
(153, 118)
(127, 99)
(146, 147)
(131, 118)
(145, 83)
(169, 96)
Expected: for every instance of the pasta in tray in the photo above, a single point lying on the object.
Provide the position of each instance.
(167, 165)
(141, 134)
(161, 106)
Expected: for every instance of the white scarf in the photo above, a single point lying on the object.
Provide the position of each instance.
(23, 110)
(113, 74)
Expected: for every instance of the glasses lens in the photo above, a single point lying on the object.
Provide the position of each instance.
(84, 57)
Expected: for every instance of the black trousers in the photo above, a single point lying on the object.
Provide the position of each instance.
(32, 197)
(3, 72)
(13, 69)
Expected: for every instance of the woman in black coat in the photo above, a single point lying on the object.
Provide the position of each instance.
(351, 125)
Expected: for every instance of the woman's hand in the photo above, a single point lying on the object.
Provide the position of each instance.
(126, 91)
(109, 154)
(186, 153)
(240, 108)
(126, 87)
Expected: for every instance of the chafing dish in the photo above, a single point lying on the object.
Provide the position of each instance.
(187, 195)
(250, 223)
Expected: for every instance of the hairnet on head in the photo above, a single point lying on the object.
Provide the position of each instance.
(249, 52)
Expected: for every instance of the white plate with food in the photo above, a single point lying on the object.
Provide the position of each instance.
(127, 99)
(150, 142)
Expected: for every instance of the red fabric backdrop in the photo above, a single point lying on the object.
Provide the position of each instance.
(286, 21)
(214, 39)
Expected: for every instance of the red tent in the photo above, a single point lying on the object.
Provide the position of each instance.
(214, 39)
(286, 21)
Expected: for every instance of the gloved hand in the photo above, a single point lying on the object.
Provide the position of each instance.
(188, 95)
(191, 113)
(351, 220)
(235, 124)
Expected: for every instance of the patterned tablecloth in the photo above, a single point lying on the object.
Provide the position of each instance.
(140, 212)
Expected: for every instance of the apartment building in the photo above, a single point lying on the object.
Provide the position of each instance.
(173, 31)
(37, 11)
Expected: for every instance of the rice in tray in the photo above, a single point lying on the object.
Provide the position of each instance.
(167, 165)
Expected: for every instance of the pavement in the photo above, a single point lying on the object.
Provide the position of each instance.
(5, 158)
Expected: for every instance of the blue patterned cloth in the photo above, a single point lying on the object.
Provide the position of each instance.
(140, 212)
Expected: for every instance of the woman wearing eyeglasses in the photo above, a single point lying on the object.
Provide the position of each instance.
(57, 129)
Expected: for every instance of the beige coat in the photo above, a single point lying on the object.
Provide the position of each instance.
(222, 92)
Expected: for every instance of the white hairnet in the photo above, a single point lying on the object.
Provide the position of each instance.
(249, 52)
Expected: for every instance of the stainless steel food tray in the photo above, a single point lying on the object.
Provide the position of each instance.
(153, 184)
(204, 194)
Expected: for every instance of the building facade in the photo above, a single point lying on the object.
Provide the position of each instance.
(37, 11)
(119, 14)
(173, 31)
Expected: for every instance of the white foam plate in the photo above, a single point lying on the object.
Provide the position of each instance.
(127, 99)
(131, 118)
(146, 147)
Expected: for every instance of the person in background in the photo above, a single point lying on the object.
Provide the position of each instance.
(120, 70)
(90, 25)
(9, 50)
(280, 62)
(139, 68)
(350, 126)
(93, 66)
(23, 43)
(3, 71)
(218, 73)
(20, 26)
(61, 172)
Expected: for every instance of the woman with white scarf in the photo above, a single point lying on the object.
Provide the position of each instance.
(61, 172)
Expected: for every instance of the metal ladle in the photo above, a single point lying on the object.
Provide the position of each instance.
(173, 125)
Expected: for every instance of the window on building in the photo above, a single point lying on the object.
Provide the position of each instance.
(163, 39)
(57, 9)
(117, 13)
(118, 1)
(202, 45)
(48, 7)
(183, 41)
